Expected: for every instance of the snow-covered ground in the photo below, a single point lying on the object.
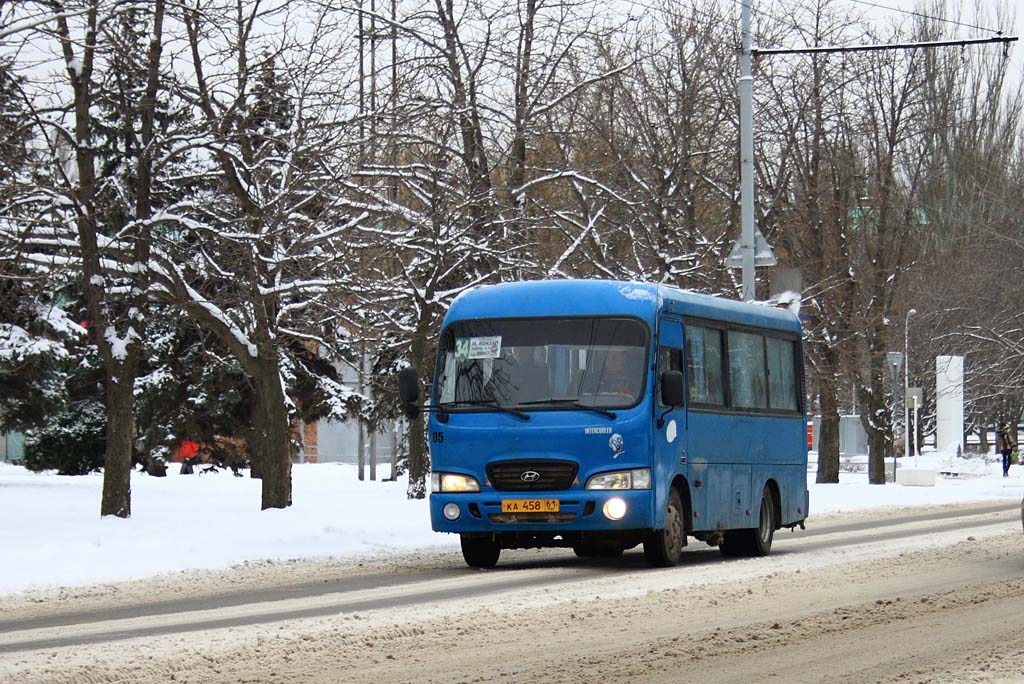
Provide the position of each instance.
(51, 533)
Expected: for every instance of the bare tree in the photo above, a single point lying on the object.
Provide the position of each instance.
(971, 195)
(810, 185)
(642, 157)
(104, 192)
(259, 254)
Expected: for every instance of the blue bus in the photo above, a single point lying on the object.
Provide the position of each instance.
(603, 415)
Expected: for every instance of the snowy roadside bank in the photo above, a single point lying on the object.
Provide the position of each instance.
(53, 535)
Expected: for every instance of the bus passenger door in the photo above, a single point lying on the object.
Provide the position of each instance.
(669, 422)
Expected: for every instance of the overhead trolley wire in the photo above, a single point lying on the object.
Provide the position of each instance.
(926, 16)
(890, 8)
(885, 46)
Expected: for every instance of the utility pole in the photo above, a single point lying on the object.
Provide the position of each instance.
(362, 86)
(746, 154)
(906, 384)
(894, 361)
(361, 379)
(373, 69)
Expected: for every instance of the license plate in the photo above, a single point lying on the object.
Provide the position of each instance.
(529, 505)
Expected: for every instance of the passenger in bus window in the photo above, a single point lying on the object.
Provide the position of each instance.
(617, 377)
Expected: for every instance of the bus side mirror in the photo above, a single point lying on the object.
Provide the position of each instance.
(409, 391)
(672, 388)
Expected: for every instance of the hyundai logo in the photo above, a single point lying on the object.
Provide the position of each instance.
(530, 476)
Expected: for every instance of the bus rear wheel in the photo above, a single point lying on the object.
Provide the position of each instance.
(663, 548)
(480, 552)
(756, 541)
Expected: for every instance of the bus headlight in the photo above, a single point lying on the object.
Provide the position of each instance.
(614, 508)
(451, 511)
(453, 482)
(638, 478)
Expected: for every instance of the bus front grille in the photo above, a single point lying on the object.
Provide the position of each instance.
(547, 475)
(531, 517)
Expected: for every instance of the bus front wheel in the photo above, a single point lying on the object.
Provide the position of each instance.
(756, 541)
(662, 548)
(480, 552)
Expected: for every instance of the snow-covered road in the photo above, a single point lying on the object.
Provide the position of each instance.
(54, 536)
(913, 595)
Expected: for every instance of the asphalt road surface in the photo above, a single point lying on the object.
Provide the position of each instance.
(917, 595)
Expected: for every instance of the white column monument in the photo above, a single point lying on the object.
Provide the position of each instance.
(949, 403)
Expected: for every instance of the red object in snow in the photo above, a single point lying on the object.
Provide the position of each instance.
(187, 449)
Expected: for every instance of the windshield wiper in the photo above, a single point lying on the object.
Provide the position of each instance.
(492, 403)
(573, 403)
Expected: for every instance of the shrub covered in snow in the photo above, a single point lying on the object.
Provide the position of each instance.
(71, 441)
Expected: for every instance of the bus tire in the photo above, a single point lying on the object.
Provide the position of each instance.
(663, 548)
(480, 552)
(758, 540)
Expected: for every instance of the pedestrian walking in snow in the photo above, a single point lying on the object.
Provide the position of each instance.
(1006, 442)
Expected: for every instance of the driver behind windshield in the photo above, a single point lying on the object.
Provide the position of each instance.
(618, 376)
(596, 362)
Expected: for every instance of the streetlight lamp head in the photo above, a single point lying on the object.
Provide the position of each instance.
(912, 312)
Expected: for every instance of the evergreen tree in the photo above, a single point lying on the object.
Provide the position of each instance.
(71, 440)
(40, 343)
(190, 389)
(45, 359)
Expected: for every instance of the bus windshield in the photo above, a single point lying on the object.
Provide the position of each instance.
(536, 363)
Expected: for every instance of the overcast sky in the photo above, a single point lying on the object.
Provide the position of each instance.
(969, 15)
(1012, 22)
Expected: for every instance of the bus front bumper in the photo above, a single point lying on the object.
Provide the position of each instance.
(577, 511)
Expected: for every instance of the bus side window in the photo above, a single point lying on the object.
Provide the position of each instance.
(704, 365)
(782, 379)
(747, 373)
(669, 359)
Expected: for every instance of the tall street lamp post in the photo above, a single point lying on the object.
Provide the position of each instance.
(894, 360)
(906, 383)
